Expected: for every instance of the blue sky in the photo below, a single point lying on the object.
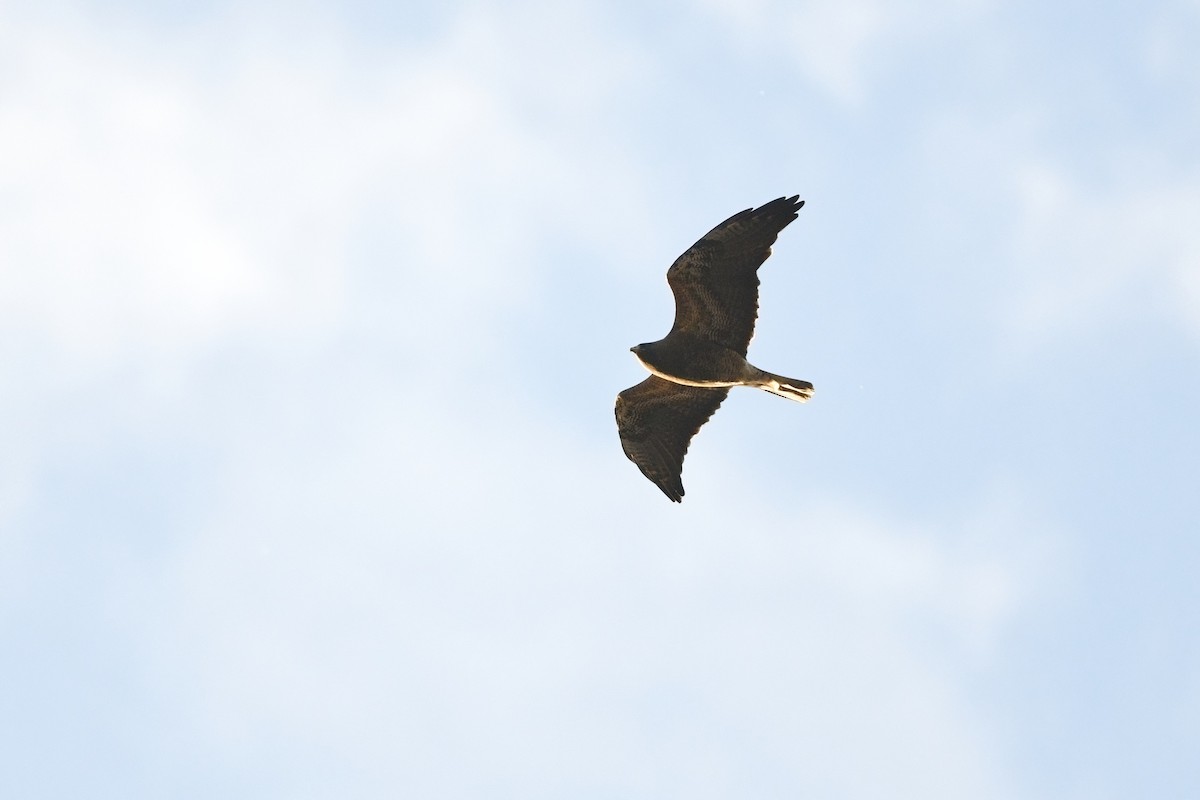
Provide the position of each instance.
(311, 321)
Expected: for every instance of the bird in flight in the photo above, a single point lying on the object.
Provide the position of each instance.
(715, 284)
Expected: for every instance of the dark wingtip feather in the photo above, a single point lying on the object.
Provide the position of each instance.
(671, 493)
(673, 489)
(782, 206)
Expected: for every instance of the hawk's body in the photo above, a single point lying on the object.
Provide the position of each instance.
(715, 284)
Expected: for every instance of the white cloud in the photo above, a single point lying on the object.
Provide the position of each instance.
(1092, 253)
(460, 601)
(841, 46)
(422, 587)
(163, 199)
(113, 241)
(1062, 242)
(1165, 38)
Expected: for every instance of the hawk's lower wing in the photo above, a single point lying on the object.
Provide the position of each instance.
(657, 419)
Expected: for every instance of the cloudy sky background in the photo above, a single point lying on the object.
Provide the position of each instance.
(311, 320)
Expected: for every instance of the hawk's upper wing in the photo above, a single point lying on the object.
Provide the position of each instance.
(657, 419)
(716, 281)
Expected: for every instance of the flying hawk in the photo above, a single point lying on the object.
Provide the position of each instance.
(715, 284)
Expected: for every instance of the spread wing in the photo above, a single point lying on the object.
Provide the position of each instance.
(657, 419)
(716, 281)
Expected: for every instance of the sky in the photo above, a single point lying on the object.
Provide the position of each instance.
(312, 316)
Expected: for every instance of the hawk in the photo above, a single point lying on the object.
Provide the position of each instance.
(715, 284)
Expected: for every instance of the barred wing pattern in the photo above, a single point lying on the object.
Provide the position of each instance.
(657, 420)
(715, 282)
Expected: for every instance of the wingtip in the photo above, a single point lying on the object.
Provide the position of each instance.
(673, 493)
(793, 203)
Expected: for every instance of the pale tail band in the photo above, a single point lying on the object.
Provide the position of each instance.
(792, 389)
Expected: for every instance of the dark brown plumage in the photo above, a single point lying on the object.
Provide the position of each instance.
(715, 284)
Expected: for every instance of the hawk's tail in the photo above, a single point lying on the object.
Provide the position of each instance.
(792, 389)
